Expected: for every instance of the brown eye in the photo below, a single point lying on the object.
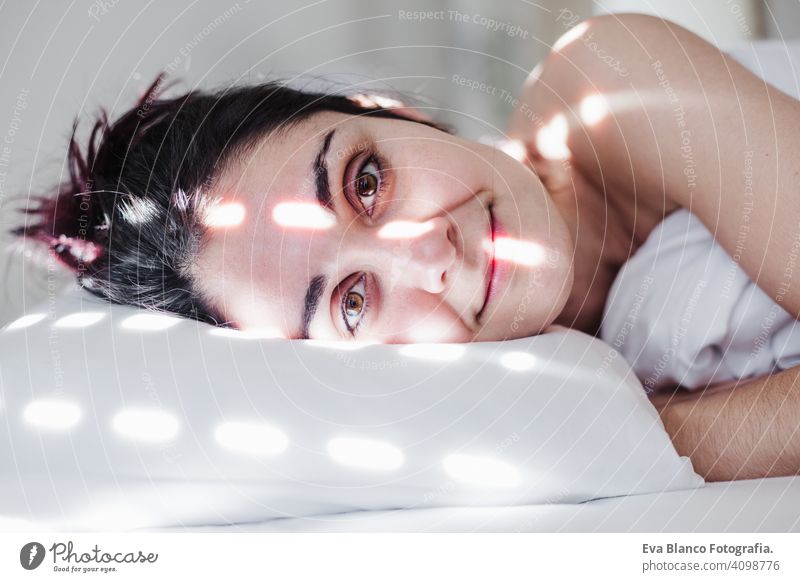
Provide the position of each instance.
(354, 304)
(366, 185)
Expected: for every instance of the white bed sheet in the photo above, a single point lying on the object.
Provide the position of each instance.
(757, 505)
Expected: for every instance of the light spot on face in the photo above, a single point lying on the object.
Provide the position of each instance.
(516, 251)
(225, 215)
(518, 361)
(153, 426)
(435, 352)
(303, 215)
(251, 438)
(405, 229)
(551, 141)
(593, 109)
(479, 470)
(79, 320)
(149, 322)
(52, 414)
(26, 321)
(365, 453)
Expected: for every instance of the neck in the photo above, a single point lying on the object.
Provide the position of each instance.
(601, 248)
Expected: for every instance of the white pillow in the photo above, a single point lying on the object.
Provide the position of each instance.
(116, 419)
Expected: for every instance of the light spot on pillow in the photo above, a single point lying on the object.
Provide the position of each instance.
(149, 322)
(251, 438)
(436, 352)
(479, 470)
(52, 414)
(518, 361)
(76, 320)
(255, 333)
(365, 453)
(26, 321)
(154, 426)
(343, 345)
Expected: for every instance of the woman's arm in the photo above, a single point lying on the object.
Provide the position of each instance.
(737, 431)
(685, 125)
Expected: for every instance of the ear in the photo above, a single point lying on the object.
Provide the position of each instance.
(375, 101)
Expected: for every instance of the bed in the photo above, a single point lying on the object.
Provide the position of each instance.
(639, 486)
(755, 505)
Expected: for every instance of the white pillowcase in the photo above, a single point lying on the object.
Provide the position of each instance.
(117, 418)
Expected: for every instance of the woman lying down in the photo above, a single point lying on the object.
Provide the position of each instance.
(654, 205)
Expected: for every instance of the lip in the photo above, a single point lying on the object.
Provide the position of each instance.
(497, 270)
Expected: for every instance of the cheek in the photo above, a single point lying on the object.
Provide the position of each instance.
(438, 179)
(410, 316)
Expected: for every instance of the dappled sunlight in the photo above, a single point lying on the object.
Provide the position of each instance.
(593, 109)
(404, 229)
(149, 322)
(341, 345)
(225, 215)
(373, 101)
(365, 453)
(251, 438)
(26, 321)
(268, 332)
(570, 36)
(81, 319)
(551, 140)
(479, 470)
(52, 414)
(302, 215)
(146, 425)
(514, 148)
(516, 251)
(435, 352)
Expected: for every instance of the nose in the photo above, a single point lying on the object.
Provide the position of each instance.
(410, 254)
(430, 255)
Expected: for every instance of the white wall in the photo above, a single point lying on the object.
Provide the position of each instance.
(722, 22)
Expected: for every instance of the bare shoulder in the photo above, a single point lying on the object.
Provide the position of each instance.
(568, 112)
(659, 118)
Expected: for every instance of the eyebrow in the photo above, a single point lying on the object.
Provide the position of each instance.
(311, 302)
(320, 172)
(323, 189)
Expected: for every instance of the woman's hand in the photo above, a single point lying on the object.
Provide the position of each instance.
(666, 397)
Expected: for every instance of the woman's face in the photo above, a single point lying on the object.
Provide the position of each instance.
(382, 230)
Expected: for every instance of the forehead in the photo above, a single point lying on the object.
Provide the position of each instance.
(256, 272)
